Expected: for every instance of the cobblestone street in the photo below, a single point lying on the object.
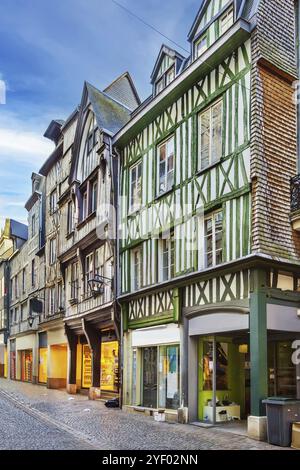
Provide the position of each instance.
(33, 417)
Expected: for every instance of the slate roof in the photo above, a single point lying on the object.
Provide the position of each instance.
(123, 91)
(110, 114)
(18, 230)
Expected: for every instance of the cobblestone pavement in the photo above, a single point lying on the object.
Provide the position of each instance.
(53, 419)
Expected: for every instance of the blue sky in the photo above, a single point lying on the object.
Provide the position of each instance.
(47, 50)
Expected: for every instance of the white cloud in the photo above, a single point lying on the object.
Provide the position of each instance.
(21, 146)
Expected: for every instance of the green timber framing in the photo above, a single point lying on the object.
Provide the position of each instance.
(223, 75)
(245, 284)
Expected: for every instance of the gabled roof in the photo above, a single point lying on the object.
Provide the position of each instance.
(123, 90)
(243, 9)
(165, 50)
(110, 114)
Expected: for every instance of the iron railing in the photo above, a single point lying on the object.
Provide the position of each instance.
(295, 193)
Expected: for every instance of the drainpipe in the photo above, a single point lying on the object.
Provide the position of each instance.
(117, 306)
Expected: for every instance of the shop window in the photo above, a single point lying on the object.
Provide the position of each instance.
(210, 135)
(165, 165)
(169, 396)
(110, 366)
(160, 378)
(213, 239)
(221, 366)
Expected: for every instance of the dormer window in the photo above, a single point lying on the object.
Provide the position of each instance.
(226, 21)
(165, 80)
(201, 46)
(170, 75)
(159, 86)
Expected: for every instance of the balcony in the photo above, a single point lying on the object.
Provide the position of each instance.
(295, 202)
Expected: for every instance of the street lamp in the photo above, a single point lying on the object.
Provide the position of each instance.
(96, 284)
(36, 306)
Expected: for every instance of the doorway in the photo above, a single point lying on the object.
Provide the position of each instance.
(150, 377)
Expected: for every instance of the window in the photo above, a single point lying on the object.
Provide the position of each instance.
(159, 86)
(52, 251)
(166, 166)
(170, 75)
(16, 287)
(226, 21)
(16, 319)
(52, 299)
(89, 270)
(200, 46)
(33, 273)
(24, 280)
(60, 296)
(84, 205)
(23, 312)
(137, 269)
(94, 196)
(33, 225)
(213, 235)
(99, 261)
(70, 226)
(210, 135)
(160, 380)
(74, 280)
(135, 187)
(167, 258)
(53, 202)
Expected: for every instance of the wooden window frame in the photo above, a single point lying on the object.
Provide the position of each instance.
(212, 216)
(136, 278)
(159, 191)
(210, 110)
(133, 207)
(227, 13)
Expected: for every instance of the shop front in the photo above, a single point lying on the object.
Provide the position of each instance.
(53, 355)
(109, 366)
(220, 366)
(152, 368)
(26, 358)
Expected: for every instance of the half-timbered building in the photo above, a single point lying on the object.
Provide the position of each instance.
(209, 257)
(87, 248)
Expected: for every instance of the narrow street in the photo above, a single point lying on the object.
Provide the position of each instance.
(33, 417)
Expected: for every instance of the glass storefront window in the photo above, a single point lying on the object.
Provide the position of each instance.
(109, 366)
(222, 366)
(169, 387)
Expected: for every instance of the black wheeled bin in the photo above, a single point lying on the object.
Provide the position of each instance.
(281, 413)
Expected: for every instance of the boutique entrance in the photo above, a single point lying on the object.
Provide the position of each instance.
(224, 367)
(109, 366)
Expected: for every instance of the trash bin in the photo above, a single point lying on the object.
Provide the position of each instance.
(281, 414)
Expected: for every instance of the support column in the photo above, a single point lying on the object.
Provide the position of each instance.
(184, 367)
(72, 360)
(193, 378)
(93, 337)
(258, 354)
